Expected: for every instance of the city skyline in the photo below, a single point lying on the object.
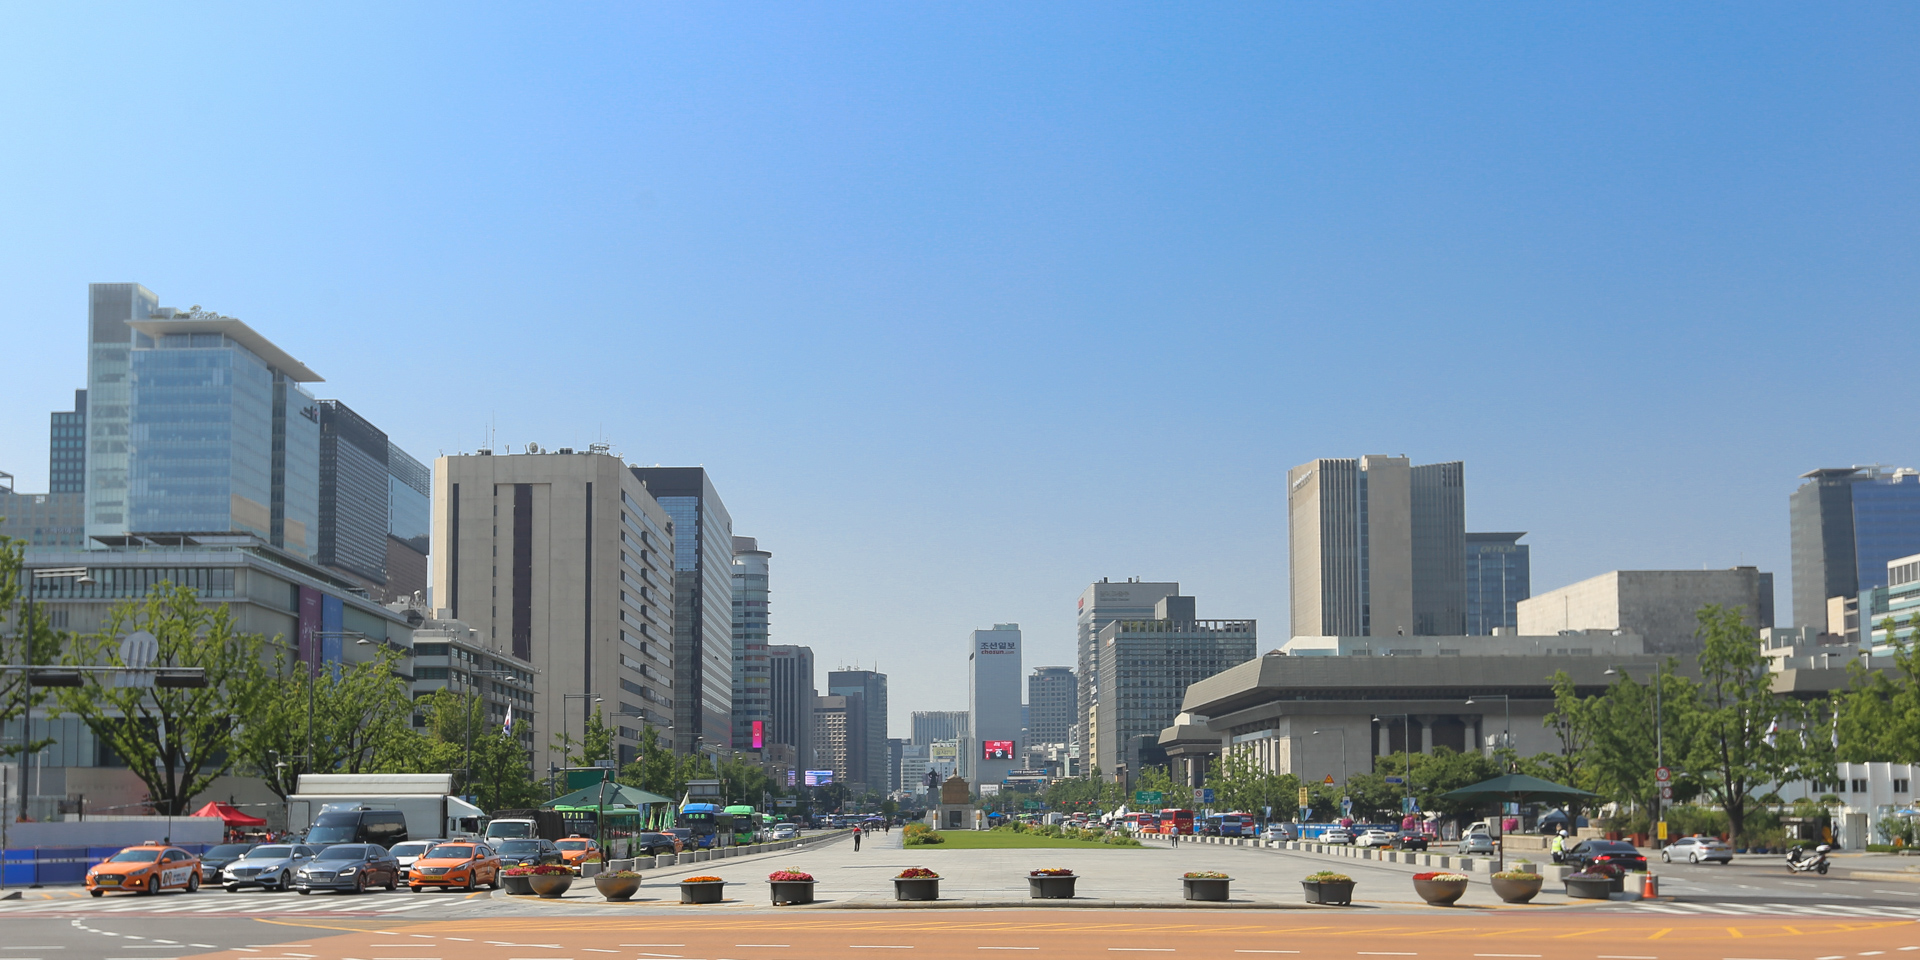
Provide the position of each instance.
(889, 271)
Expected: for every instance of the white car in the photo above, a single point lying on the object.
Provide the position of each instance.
(1277, 831)
(1476, 843)
(407, 853)
(785, 831)
(1374, 838)
(1698, 849)
(1337, 835)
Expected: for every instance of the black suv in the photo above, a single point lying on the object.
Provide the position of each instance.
(527, 853)
(384, 827)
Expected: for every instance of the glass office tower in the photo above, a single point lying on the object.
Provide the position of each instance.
(1499, 576)
(111, 308)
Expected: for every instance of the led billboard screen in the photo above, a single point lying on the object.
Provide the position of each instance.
(819, 778)
(759, 734)
(996, 749)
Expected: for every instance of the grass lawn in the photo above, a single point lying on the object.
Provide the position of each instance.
(1007, 840)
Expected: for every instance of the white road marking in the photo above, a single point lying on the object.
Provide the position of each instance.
(976, 948)
(1266, 951)
(1618, 956)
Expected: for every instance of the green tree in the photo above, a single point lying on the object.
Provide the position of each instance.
(500, 774)
(1877, 718)
(43, 647)
(176, 740)
(1571, 721)
(597, 745)
(1627, 743)
(1735, 747)
(362, 722)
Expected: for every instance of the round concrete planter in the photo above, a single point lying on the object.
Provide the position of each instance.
(1335, 893)
(1440, 893)
(1202, 888)
(708, 891)
(791, 891)
(551, 886)
(518, 886)
(920, 888)
(1516, 891)
(1582, 889)
(1051, 888)
(617, 888)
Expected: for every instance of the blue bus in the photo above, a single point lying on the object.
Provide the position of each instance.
(711, 824)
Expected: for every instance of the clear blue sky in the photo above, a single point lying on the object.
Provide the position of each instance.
(966, 306)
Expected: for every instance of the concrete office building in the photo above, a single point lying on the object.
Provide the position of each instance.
(1847, 524)
(1499, 576)
(42, 519)
(752, 692)
(831, 733)
(864, 696)
(896, 753)
(1377, 547)
(1145, 666)
(703, 611)
(450, 655)
(1660, 606)
(1571, 643)
(1050, 699)
(1892, 612)
(933, 725)
(993, 702)
(568, 557)
(913, 767)
(790, 700)
(1100, 604)
(67, 448)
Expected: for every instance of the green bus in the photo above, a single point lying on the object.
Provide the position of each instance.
(746, 823)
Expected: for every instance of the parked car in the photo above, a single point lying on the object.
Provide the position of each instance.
(407, 853)
(1698, 849)
(530, 853)
(1476, 842)
(1279, 831)
(655, 844)
(1337, 835)
(348, 868)
(1411, 840)
(1611, 857)
(269, 865)
(380, 827)
(463, 864)
(215, 860)
(1373, 837)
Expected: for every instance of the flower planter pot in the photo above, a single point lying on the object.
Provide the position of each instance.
(1589, 889)
(1203, 888)
(518, 886)
(1051, 888)
(551, 886)
(708, 891)
(617, 888)
(790, 891)
(1516, 891)
(1340, 893)
(1440, 893)
(921, 888)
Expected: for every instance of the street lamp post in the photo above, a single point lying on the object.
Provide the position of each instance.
(584, 718)
(1506, 739)
(79, 576)
(1342, 731)
(1406, 740)
(313, 667)
(472, 700)
(1659, 744)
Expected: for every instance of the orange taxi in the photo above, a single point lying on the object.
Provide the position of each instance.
(576, 850)
(146, 868)
(461, 863)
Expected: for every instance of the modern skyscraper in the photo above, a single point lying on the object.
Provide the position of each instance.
(791, 698)
(1847, 523)
(353, 494)
(1145, 668)
(568, 557)
(409, 522)
(111, 308)
(1498, 577)
(752, 691)
(993, 702)
(1050, 699)
(1377, 547)
(221, 436)
(865, 693)
(930, 726)
(1100, 604)
(67, 448)
(832, 732)
(703, 611)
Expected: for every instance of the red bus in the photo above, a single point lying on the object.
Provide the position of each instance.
(1174, 820)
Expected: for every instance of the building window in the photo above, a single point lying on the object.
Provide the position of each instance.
(1859, 786)
(1899, 785)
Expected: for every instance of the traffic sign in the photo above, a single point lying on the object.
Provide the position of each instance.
(1329, 780)
(1303, 798)
(1663, 775)
(1346, 806)
(1396, 781)
(1666, 791)
(1034, 805)
(1148, 797)
(1202, 795)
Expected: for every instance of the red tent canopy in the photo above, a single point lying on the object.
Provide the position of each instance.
(231, 815)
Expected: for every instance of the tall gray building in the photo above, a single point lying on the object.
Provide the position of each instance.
(1101, 604)
(376, 505)
(932, 725)
(1847, 523)
(1377, 547)
(751, 680)
(67, 448)
(790, 699)
(1145, 668)
(1050, 699)
(703, 612)
(993, 688)
(1499, 576)
(865, 694)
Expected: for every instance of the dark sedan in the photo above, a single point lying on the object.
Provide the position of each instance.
(215, 860)
(1614, 858)
(655, 844)
(349, 867)
(527, 853)
(1411, 840)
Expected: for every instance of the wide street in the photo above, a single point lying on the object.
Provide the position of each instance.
(1751, 910)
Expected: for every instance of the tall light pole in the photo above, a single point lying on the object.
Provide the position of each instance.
(1406, 740)
(466, 679)
(1659, 742)
(1342, 731)
(79, 576)
(589, 698)
(313, 668)
(1506, 739)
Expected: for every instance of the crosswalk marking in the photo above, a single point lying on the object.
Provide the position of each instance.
(1737, 909)
(221, 906)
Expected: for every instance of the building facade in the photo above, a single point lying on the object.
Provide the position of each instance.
(752, 681)
(933, 725)
(1892, 612)
(993, 702)
(1146, 666)
(111, 309)
(1847, 524)
(1103, 603)
(831, 733)
(42, 519)
(790, 699)
(703, 611)
(568, 557)
(1377, 547)
(863, 694)
(1661, 606)
(1499, 576)
(1050, 698)
(67, 448)
(450, 655)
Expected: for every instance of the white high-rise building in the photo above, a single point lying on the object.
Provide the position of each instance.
(994, 677)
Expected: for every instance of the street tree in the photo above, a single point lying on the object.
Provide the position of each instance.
(1877, 718)
(16, 697)
(1631, 731)
(361, 721)
(177, 741)
(1736, 747)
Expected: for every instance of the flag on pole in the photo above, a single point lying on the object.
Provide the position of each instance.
(507, 728)
(1773, 729)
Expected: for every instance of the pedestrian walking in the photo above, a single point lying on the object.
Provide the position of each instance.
(1173, 839)
(887, 827)
(856, 839)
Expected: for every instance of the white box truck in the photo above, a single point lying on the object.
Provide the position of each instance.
(425, 800)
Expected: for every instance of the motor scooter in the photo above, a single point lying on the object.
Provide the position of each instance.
(1801, 861)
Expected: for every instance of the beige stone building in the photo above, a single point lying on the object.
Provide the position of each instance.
(1661, 606)
(567, 557)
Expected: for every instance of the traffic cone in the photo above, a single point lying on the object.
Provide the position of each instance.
(1649, 886)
